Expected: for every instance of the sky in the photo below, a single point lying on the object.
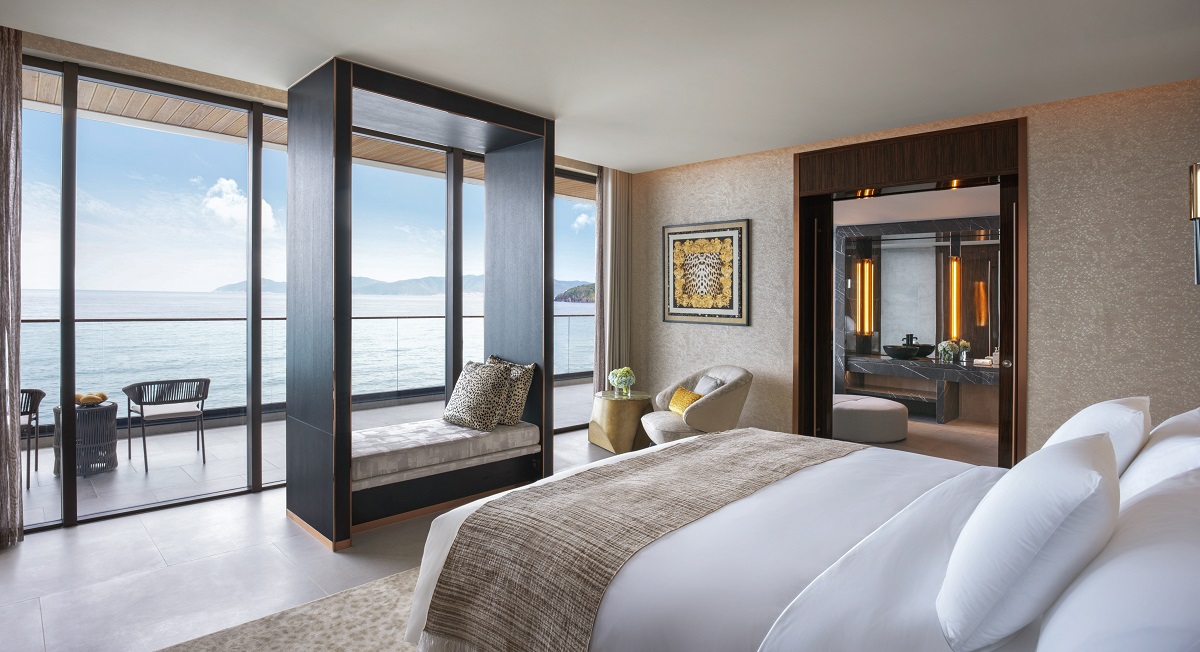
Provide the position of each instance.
(159, 211)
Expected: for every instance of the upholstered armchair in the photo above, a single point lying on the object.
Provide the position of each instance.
(718, 409)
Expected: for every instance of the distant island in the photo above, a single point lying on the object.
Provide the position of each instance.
(421, 287)
(578, 294)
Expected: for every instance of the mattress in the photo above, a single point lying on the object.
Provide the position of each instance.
(405, 451)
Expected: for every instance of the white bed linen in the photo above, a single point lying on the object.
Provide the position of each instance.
(898, 570)
(720, 582)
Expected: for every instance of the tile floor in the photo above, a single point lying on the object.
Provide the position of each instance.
(151, 580)
(176, 470)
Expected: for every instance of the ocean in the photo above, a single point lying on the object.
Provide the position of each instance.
(389, 354)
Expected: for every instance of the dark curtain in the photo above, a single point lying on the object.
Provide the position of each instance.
(11, 513)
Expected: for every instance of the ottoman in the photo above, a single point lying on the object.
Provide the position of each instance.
(868, 420)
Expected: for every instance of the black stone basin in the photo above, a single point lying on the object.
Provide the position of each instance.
(902, 352)
(925, 349)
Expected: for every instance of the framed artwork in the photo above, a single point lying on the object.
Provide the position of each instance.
(706, 273)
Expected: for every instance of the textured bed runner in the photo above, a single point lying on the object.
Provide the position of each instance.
(527, 571)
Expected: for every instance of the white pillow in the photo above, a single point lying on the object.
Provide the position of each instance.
(1174, 447)
(1143, 590)
(1026, 540)
(1125, 420)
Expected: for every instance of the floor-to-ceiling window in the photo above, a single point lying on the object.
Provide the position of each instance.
(160, 255)
(160, 249)
(398, 266)
(274, 298)
(474, 221)
(41, 193)
(575, 297)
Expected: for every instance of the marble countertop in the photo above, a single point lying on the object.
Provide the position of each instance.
(927, 368)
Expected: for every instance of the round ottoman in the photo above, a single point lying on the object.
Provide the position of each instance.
(868, 420)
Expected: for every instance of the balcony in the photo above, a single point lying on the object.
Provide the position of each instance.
(397, 376)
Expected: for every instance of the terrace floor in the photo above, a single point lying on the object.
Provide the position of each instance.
(176, 469)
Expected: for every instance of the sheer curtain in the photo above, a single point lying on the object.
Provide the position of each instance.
(11, 514)
(614, 217)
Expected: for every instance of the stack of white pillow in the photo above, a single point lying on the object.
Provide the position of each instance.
(1092, 541)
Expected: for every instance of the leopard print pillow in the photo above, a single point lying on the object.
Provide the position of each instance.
(521, 377)
(479, 397)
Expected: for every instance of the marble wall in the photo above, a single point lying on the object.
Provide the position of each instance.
(1112, 307)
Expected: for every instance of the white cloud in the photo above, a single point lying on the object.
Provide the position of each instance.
(226, 202)
(583, 221)
(197, 181)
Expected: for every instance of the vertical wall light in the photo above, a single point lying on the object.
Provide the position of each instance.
(1194, 197)
(981, 304)
(955, 308)
(864, 284)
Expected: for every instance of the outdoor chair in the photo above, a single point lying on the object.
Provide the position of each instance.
(31, 401)
(166, 400)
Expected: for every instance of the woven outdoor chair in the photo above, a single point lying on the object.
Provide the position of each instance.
(166, 400)
(31, 401)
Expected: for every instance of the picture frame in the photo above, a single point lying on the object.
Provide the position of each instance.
(706, 273)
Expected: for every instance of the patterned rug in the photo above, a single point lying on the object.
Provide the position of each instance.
(368, 617)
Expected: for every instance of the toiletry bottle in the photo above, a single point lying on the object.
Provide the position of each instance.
(996, 356)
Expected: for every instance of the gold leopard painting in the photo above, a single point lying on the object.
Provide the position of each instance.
(705, 273)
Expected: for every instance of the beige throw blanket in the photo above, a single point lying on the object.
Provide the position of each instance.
(527, 571)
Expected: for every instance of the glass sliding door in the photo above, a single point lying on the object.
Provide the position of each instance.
(161, 246)
(41, 219)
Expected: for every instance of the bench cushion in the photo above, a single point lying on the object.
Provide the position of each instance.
(411, 450)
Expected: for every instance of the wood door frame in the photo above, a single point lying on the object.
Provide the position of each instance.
(996, 149)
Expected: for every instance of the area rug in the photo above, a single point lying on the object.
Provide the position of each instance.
(368, 617)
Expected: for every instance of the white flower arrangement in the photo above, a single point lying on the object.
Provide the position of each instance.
(952, 348)
(622, 378)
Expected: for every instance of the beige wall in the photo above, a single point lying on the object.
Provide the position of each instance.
(1112, 308)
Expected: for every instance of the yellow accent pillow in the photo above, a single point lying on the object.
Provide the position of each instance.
(681, 399)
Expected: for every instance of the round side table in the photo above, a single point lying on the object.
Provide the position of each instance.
(616, 423)
(95, 438)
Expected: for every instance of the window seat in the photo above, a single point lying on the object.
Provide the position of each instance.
(401, 452)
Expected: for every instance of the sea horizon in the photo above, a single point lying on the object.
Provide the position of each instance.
(389, 354)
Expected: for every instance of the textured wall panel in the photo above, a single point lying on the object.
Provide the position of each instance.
(1112, 307)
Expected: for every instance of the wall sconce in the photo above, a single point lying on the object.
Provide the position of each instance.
(1194, 198)
(955, 297)
(981, 304)
(864, 283)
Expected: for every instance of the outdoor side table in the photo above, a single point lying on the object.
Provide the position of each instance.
(95, 438)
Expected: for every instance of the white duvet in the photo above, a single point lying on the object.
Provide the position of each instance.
(802, 564)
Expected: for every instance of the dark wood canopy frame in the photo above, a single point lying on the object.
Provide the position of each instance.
(992, 149)
(324, 110)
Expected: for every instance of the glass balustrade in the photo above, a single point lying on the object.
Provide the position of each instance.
(393, 354)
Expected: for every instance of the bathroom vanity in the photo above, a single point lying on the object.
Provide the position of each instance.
(920, 381)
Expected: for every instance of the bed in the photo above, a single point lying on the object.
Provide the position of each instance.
(849, 553)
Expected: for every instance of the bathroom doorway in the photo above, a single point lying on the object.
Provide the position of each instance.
(954, 160)
(916, 345)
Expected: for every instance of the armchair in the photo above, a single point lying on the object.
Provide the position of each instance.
(718, 409)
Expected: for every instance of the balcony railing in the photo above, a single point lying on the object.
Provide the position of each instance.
(394, 355)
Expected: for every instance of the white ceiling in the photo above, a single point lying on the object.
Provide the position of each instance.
(639, 85)
(979, 201)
